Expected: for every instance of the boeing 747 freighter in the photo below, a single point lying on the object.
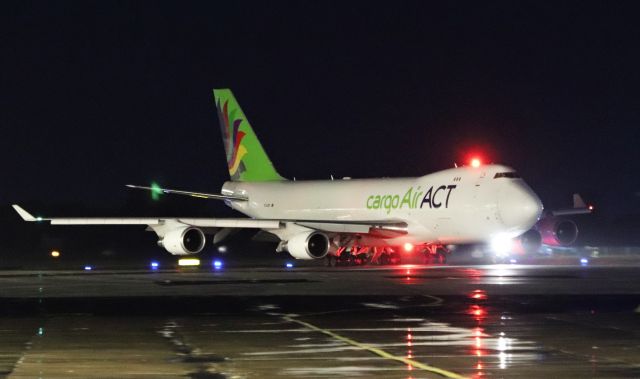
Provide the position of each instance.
(319, 218)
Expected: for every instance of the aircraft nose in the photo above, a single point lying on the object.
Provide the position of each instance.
(519, 206)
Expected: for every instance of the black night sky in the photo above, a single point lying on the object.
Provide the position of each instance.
(96, 95)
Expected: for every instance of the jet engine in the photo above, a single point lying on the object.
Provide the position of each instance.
(183, 241)
(309, 245)
(531, 241)
(557, 232)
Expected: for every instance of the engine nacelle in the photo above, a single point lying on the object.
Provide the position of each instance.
(557, 232)
(183, 241)
(530, 242)
(309, 245)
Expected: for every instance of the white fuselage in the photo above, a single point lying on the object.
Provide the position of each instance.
(459, 205)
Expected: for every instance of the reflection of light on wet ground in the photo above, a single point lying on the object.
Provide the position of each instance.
(500, 274)
(486, 347)
(315, 350)
(478, 312)
(504, 345)
(478, 335)
(404, 320)
(408, 277)
(478, 295)
(569, 340)
(342, 371)
(471, 273)
(380, 306)
(409, 347)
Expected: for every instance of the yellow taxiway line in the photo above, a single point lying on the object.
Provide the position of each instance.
(376, 351)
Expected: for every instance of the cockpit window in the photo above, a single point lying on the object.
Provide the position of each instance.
(510, 175)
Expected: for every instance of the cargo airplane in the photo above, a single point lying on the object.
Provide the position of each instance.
(319, 218)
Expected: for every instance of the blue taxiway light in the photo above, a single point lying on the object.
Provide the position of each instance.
(155, 265)
(217, 264)
(289, 265)
(88, 268)
(584, 261)
(513, 261)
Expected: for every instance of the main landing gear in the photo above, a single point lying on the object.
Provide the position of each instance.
(360, 256)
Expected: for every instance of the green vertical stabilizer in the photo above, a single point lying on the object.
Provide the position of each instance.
(246, 159)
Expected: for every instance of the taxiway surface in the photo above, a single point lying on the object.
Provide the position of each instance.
(393, 322)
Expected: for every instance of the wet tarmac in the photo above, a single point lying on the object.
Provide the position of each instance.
(395, 322)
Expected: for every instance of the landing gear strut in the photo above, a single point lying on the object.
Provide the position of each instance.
(435, 254)
(358, 256)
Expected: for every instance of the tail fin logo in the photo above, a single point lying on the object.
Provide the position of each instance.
(232, 137)
(246, 159)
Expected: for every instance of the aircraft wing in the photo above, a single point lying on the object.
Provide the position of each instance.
(153, 221)
(382, 228)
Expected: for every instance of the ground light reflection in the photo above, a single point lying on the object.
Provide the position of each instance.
(482, 353)
(485, 346)
(407, 271)
(409, 347)
(479, 313)
(478, 295)
(477, 349)
(504, 345)
(471, 273)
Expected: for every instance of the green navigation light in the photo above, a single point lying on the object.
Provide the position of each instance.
(156, 191)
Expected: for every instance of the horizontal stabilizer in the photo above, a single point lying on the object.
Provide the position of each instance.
(200, 195)
(579, 208)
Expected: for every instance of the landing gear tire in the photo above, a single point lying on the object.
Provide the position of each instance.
(331, 261)
(384, 259)
(440, 258)
(361, 259)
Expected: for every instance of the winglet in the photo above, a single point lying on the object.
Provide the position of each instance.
(24, 214)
